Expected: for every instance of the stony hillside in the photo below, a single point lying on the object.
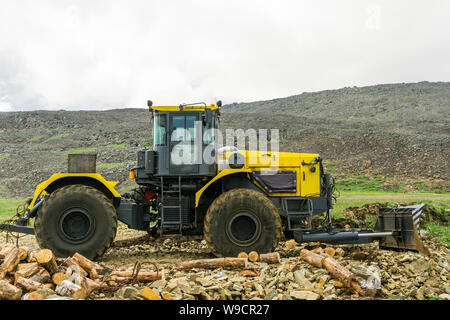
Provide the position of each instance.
(394, 137)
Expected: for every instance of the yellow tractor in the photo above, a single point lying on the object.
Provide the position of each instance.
(239, 202)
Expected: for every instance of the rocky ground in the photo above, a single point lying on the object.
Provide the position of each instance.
(403, 275)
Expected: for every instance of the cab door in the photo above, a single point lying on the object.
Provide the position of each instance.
(183, 150)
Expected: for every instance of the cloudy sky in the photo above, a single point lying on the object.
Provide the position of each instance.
(98, 54)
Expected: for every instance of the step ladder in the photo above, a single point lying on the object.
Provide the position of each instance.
(308, 214)
(164, 223)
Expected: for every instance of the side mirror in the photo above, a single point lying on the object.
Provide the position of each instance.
(149, 103)
(219, 103)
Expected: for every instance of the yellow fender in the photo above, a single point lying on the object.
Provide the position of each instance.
(41, 188)
(222, 174)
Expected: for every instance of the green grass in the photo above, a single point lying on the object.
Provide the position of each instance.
(4, 156)
(36, 138)
(439, 231)
(109, 165)
(81, 150)
(360, 182)
(146, 143)
(59, 136)
(8, 207)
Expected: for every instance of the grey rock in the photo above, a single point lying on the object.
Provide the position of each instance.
(304, 295)
(419, 266)
(271, 295)
(127, 293)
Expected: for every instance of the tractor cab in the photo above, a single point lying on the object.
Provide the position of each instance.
(183, 141)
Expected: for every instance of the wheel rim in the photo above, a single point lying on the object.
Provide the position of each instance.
(76, 225)
(244, 228)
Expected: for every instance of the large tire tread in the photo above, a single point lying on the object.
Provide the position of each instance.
(44, 238)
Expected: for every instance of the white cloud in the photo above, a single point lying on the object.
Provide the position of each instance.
(107, 54)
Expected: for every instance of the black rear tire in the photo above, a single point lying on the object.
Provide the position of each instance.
(76, 218)
(242, 220)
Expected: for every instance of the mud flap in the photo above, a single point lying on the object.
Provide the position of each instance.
(403, 222)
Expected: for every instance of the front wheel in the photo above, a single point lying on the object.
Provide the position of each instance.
(76, 218)
(242, 220)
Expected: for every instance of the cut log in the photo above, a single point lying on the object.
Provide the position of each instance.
(10, 262)
(46, 292)
(291, 244)
(67, 288)
(87, 284)
(216, 263)
(58, 277)
(33, 295)
(249, 273)
(5, 249)
(143, 276)
(330, 251)
(92, 285)
(24, 251)
(318, 250)
(253, 256)
(28, 284)
(27, 272)
(243, 255)
(80, 294)
(340, 252)
(47, 259)
(74, 266)
(42, 276)
(339, 272)
(93, 268)
(8, 291)
(22, 266)
(312, 258)
(32, 256)
(272, 257)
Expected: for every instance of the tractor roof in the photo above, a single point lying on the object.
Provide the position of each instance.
(184, 108)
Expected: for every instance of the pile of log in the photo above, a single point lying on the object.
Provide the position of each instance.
(39, 275)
